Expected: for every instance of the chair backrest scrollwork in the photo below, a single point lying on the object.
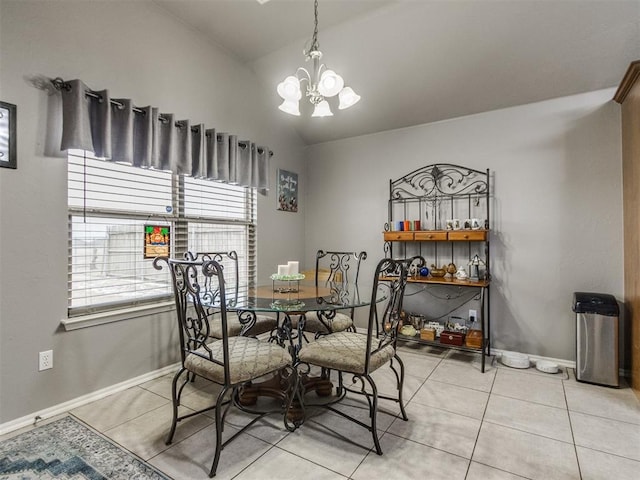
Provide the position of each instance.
(229, 263)
(200, 299)
(338, 267)
(382, 329)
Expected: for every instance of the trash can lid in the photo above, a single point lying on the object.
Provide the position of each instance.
(601, 303)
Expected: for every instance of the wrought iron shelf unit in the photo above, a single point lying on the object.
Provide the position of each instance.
(440, 203)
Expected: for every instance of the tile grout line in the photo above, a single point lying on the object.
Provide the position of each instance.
(610, 419)
(573, 437)
(475, 444)
(503, 470)
(258, 458)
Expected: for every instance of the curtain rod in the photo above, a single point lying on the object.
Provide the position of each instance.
(60, 84)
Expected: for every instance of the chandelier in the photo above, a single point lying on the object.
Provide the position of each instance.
(321, 83)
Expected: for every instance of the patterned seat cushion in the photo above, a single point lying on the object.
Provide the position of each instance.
(344, 351)
(339, 323)
(263, 324)
(249, 358)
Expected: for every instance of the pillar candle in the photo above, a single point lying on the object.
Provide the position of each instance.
(283, 269)
(293, 268)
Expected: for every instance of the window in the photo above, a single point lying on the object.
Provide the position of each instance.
(222, 217)
(109, 206)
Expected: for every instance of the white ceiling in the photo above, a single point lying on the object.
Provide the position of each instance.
(421, 61)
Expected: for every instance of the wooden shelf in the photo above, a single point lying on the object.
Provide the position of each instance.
(437, 236)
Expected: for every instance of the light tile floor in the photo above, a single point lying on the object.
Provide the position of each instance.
(463, 424)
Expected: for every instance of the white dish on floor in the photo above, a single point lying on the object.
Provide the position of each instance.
(547, 366)
(515, 359)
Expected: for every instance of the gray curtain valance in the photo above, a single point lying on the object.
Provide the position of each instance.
(116, 130)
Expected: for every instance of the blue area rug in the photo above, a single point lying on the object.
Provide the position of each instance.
(67, 449)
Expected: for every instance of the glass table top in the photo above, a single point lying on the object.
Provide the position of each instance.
(296, 296)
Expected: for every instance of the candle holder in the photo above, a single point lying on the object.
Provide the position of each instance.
(292, 283)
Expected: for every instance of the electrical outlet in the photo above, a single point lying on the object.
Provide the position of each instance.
(473, 316)
(45, 360)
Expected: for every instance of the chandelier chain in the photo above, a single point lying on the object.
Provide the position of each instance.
(314, 40)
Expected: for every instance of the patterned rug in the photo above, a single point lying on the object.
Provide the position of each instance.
(67, 449)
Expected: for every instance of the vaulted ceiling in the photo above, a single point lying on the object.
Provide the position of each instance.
(422, 61)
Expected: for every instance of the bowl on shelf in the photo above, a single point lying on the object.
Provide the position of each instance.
(438, 272)
(408, 330)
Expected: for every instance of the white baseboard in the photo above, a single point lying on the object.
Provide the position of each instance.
(83, 400)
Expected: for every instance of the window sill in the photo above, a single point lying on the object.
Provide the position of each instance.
(102, 318)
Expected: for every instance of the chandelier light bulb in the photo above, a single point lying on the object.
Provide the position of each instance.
(347, 98)
(291, 107)
(330, 83)
(322, 110)
(289, 88)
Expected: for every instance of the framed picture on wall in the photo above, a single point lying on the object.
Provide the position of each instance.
(8, 157)
(287, 191)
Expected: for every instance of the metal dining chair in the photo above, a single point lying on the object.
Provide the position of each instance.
(236, 325)
(231, 362)
(333, 268)
(359, 355)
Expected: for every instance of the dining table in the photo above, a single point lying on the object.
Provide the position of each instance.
(289, 301)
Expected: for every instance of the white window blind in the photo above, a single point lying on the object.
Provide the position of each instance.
(222, 217)
(109, 206)
(220, 201)
(97, 185)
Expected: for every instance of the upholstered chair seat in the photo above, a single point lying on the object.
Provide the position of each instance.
(346, 352)
(249, 358)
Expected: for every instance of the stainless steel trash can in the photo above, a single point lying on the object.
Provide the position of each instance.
(596, 338)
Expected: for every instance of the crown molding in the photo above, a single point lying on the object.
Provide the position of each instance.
(629, 79)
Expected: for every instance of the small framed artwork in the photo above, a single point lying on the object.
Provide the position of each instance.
(8, 154)
(287, 191)
(157, 241)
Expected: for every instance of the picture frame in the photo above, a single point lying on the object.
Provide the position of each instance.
(287, 191)
(8, 153)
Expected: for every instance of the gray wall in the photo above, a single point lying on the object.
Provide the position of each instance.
(137, 51)
(557, 209)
